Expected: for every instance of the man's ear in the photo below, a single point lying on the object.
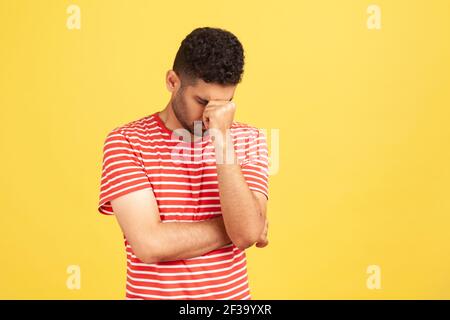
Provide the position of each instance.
(172, 81)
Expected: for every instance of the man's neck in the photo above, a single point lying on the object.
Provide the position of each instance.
(170, 120)
(168, 117)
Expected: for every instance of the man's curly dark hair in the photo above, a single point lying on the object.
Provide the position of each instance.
(211, 54)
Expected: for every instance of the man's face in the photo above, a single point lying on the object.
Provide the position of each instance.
(189, 102)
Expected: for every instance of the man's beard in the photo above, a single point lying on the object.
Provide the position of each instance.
(179, 109)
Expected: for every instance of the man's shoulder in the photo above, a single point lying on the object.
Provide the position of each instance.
(136, 127)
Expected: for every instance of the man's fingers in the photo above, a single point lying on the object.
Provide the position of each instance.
(263, 241)
(205, 118)
(262, 244)
(206, 114)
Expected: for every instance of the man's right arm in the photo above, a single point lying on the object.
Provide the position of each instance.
(154, 241)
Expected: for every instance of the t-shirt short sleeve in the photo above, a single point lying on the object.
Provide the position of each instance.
(123, 171)
(255, 166)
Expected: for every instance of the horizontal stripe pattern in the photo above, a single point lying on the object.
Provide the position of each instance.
(144, 154)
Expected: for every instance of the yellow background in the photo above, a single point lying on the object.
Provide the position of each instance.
(363, 116)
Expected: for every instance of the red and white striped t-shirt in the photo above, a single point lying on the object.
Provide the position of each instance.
(145, 154)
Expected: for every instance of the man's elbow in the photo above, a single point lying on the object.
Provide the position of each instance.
(148, 252)
(247, 237)
(149, 259)
(245, 242)
(242, 244)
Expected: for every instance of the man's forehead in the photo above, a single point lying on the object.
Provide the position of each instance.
(214, 92)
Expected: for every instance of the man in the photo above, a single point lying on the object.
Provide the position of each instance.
(188, 184)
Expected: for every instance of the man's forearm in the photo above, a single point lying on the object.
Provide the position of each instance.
(242, 216)
(184, 240)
